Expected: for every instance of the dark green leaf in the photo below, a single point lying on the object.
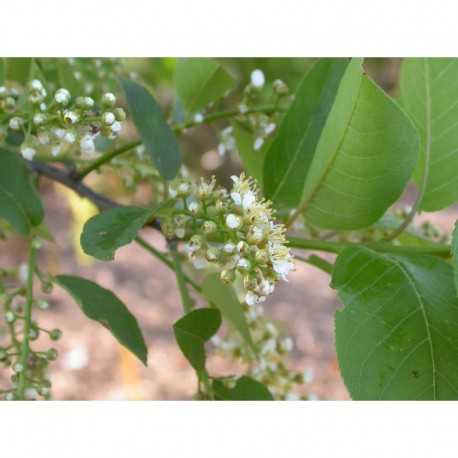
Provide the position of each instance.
(102, 305)
(246, 389)
(252, 160)
(18, 69)
(397, 335)
(289, 158)
(224, 297)
(159, 140)
(19, 201)
(199, 81)
(104, 233)
(365, 156)
(455, 253)
(429, 93)
(67, 78)
(193, 330)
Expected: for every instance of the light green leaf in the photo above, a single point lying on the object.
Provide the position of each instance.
(364, 158)
(159, 140)
(397, 335)
(19, 201)
(193, 330)
(102, 305)
(67, 78)
(252, 160)
(199, 81)
(288, 160)
(455, 253)
(224, 297)
(18, 69)
(104, 233)
(429, 93)
(246, 389)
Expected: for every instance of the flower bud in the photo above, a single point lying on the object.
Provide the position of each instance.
(9, 104)
(213, 254)
(280, 87)
(108, 118)
(18, 368)
(10, 317)
(3, 92)
(37, 244)
(51, 354)
(34, 333)
(262, 257)
(84, 103)
(16, 123)
(183, 188)
(35, 86)
(11, 396)
(221, 207)
(243, 265)
(195, 209)
(209, 227)
(108, 100)
(168, 227)
(27, 152)
(257, 79)
(35, 98)
(62, 97)
(72, 117)
(55, 334)
(196, 242)
(256, 234)
(180, 220)
(120, 114)
(39, 119)
(46, 287)
(3, 355)
(87, 144)
(228, 276)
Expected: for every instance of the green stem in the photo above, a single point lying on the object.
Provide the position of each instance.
(148, 247)
(107, 157)
(181, 280)
(337, 247)
(27, 321)
(316, 261)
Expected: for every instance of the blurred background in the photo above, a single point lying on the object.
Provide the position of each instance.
(91, 365)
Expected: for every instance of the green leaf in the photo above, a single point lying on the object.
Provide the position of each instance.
(67, 78)
(199, 81)
(429, 92)
(159, 140)
(102, 305)
(19, 201)
(18, 69)
(397, 335)
(224, 297)
(455, 253)
(246, 389)
(193, 330)
(2, 70)
(104, 233)
(252, 160)
(291, 154)
(364, 158)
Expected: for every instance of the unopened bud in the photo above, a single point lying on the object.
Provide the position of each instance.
(108, 100)
(228, 276)
(209, 227)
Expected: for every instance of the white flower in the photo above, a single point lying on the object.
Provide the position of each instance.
(252, 298)
(198, 118)
(16, 123)
(28, 153)
(23, 272)
(180, 232)
(36, 85)
(59, 133)
(229, 248)
(108, 118)
(70, 137)
(257, 145)
(257, 78)
(283, 268)
(71, 117)
(270, 128)
(200, 262)
(87, 144)
(62, 97)
(55, 150)
(286, 344)
(233, 222)
(116, 127)
(39, 119)
(43, 106)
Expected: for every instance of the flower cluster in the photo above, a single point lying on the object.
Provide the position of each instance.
(233, 231)
(270, 367)
(59, 124)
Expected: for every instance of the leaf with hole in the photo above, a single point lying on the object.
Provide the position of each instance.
(193, 330)
(104, 233)
(364, 159)
(20, 203)
(397, 334)
(102, 305)
(429, 94)
(200, 81)
(159, 140)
